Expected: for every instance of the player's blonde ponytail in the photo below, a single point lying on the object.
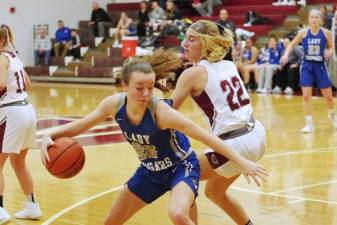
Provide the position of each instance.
(214, 45)
(161, 62)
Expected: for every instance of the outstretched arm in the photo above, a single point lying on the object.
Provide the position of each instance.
(190, 81)
(167, 117)
(105, 109)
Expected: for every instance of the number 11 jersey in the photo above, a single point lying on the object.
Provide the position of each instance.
(224, 102)
(15, 89)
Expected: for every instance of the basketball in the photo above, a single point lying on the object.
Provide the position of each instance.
(66, 158)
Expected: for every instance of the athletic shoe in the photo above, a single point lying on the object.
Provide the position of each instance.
(308, 129)
(4, 217)
(276, 90)
(30, 211)
(288, 91)
(335, 123)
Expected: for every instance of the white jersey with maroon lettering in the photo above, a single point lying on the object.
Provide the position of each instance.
(225, 101)
(15, 89)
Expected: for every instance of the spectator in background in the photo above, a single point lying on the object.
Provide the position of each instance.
(286, 76)
(156, 16)
(236, 56)
(225, 22)
(172, 12)
(62, 38)
(143, 18)
(99, 20)
(269, 62)
(122, 29)
(326, 17)
(205, 8)
(249, 57)
(42, 47)
(75, 45)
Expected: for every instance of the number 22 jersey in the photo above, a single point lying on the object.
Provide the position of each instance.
(224, 102)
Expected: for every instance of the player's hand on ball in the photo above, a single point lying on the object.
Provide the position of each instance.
(45, 143)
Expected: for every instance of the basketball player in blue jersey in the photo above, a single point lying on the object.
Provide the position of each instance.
(155, 131)
(216, 87)
(318, 48)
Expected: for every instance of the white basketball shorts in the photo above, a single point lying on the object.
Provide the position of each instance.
(17, 128)
(251, 146)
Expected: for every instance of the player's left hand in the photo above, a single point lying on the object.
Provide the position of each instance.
(252, 170)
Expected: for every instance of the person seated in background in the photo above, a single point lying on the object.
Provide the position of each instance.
(143, 19)
(205, 7)
(239, 33)
(327, 17)
(236, 55)
(268, 63)
(62, 38)
(156, 16)
(122, 29)
(173, 17)
(99, 21)
(249, 57)
(172, 13)
(75, 48)
(42, 47)
(286, 76)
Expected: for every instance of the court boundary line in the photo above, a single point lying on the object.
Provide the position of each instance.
(295, 198)
(75, 205)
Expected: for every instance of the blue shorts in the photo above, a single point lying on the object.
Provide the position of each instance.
(314, 73)
(149, 185)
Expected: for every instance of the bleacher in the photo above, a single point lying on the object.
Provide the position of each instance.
(98, 57)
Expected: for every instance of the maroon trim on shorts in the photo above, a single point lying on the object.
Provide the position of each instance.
(215, 159)
(2, 133)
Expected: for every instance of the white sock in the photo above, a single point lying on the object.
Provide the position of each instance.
(30, 197)
(308, 119)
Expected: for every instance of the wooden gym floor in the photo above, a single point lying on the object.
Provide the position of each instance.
(301, 189)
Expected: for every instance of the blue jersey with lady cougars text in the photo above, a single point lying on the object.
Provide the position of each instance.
(314, 46)
(157, 149)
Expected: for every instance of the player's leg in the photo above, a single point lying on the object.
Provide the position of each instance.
(322, 75)
(184, 183)
(30, 209)
(18, 162)
(327, 94)
(216, 191)
(4, 216)
(122, 209)
(182, 198)
(194, 213)
(307, 72)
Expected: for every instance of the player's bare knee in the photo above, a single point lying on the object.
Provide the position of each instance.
(306, 98)
(178, 217)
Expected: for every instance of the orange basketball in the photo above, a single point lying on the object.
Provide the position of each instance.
(66, 158)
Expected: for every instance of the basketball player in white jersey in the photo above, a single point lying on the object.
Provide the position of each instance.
(17, 126)
(216, 87)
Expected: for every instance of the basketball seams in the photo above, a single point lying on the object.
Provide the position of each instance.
(60, 154)
(82, 155)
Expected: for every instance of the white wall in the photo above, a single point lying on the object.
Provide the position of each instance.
(31, 12)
